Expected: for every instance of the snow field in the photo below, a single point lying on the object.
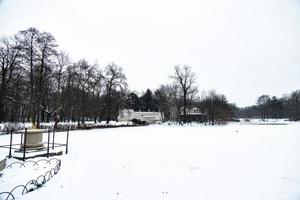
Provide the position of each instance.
(179, 162)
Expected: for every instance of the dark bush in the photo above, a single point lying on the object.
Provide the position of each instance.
(138, 121)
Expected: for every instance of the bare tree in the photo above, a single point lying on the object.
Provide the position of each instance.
(36, 82)
(165, 101)
(28, 39)
(96, 85)
(263, 103)
(62, 61)
(46, 45)
(115, 79)
(39, 49)
(292, 106)
(216, 106)
(186, 79)
(69, 94)
(10, 60)
(175, 99)
(84, 75)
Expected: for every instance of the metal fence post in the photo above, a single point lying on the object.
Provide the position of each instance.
(21, 139)
(67, 143)
(48, 146)
(10, 144)
(53, 138)
(24, 145)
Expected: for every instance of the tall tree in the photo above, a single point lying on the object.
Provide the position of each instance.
(85, 76)
(97, 90)
(115, 79)
(185, 78)
(163, 102)
(61, 62)
(174, 100)
(293, 105)
(46, 46)
(38, 48)
(263, 102)
(10, 61)
(276, 108)
(28, 39)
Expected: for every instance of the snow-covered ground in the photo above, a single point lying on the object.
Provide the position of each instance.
(6, 127)
(257, 121)
(235, 161)
(18, 173)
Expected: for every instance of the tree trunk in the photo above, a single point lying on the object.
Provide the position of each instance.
(184, 107)
(38, 117)
(2, 96)
(108, 106)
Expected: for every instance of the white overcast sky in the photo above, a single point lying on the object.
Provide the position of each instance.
(241, 48)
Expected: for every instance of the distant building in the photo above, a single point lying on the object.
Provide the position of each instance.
(149, 117)
(193, 114)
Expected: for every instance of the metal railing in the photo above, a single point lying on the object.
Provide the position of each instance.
(34, 183)
(23, 147)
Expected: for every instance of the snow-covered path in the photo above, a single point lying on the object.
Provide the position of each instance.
(168, 162)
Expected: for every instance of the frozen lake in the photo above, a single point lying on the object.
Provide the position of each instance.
(179, 162)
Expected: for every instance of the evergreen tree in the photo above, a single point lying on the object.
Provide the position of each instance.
(133, 102)
(147, 101)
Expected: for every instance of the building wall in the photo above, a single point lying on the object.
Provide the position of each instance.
(149, 117)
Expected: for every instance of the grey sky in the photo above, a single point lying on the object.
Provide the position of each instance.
(240, 48)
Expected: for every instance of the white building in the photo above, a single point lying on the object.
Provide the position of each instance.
(192, 111)
(149, 117)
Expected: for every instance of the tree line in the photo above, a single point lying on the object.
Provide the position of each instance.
(287, 106)
(179, 96)
(38, 82)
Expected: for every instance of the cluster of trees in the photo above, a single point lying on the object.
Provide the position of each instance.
(37, 81)
(288, 106)
(179, 96)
